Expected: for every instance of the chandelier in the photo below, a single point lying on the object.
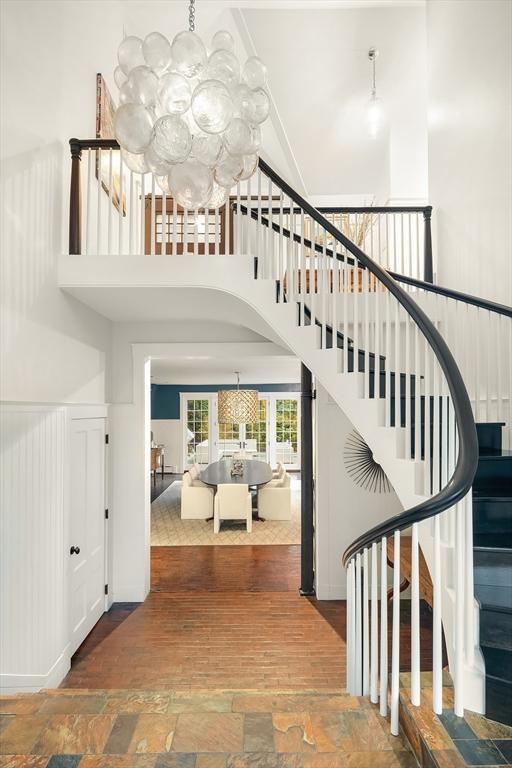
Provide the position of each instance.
(237, 406)
(188, 115)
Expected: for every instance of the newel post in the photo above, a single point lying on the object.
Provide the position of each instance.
(428, 268)
(75, 203)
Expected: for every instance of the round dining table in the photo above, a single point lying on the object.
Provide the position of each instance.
(255, 474)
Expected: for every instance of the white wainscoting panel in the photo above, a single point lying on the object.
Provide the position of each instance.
(33, 538)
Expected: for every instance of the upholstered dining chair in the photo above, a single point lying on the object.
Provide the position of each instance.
(232, 502)
(275, 499)
(196, 500)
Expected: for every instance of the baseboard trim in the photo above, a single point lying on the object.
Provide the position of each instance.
(331, 592)
(32, 683)
(129, 595)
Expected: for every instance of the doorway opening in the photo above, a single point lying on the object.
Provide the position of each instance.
(197, 453)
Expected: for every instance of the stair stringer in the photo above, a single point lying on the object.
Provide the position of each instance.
(235, 275)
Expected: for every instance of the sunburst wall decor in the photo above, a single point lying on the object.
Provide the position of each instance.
(362, 467)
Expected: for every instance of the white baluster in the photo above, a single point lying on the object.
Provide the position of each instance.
(346, 299)
(142, 216)
(384, 627)
(396, 363)
(174, 227)
(153, 216)
(350, 644)
(415, 617)
(437, 629)
(303, 269)
(353, 634)
(359, 630)
(418, 341)
(469, 600)
(366, 627)
(374, 628)
(367, 326)
(388, 359)
(207, 231)
(458, 706)
(99, 192)
(163, 243)
(395, 648)
(186, 225)
(88, 212)
(131, 213)
(111, 204)
(196, 232)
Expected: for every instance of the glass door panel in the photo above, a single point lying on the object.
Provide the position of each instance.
(197, 432)
(256, 442)
(287, 432)
(228, 441)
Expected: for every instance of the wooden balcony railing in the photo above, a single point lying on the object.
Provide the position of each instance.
(116, 211)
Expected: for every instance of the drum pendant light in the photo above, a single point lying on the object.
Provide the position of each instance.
(237, 406)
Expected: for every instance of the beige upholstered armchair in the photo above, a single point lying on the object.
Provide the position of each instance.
(232, 502)
(196, 500)
(275, 499)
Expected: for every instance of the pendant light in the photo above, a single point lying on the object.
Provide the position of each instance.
(237, 406)
(375, 111)
(190, 116)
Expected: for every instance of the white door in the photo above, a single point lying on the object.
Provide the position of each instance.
(87, 527)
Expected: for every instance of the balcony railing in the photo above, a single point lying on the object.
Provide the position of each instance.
(114, 210)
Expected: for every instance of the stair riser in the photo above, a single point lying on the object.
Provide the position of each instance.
(495, 471)
(489, 436)
(496, 629)
(498, 662)
(492, 515)
(498, 695)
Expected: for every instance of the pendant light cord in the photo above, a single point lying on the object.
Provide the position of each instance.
(191, 15)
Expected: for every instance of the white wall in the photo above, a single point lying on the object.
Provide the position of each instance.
(169, 432)
(320, 77)
(470, 143)
(343, 509)
(54, 348)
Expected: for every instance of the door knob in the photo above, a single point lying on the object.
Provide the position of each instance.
(74, 551)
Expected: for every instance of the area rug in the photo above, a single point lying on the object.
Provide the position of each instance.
(168, 529)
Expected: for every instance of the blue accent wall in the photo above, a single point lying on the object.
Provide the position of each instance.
(165, 398)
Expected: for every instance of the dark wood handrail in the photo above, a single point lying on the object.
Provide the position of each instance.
(467, 459)
(465, 298)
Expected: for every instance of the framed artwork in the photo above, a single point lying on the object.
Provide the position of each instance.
(105, 110)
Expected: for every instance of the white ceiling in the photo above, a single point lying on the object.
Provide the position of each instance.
(211, 370)
(177, 306)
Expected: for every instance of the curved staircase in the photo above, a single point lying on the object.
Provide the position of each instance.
(414, 366)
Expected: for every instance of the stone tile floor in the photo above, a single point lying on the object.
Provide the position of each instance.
(141, 729)
(448, 741)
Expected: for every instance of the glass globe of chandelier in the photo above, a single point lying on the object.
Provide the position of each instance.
(190, 116)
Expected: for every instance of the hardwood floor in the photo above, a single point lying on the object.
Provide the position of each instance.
(225, 569)
(225, 618)
(160, 484)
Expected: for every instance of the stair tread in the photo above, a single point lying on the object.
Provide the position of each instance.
(498, 492)
(494, 597)
(498, 541)
(495, 453)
